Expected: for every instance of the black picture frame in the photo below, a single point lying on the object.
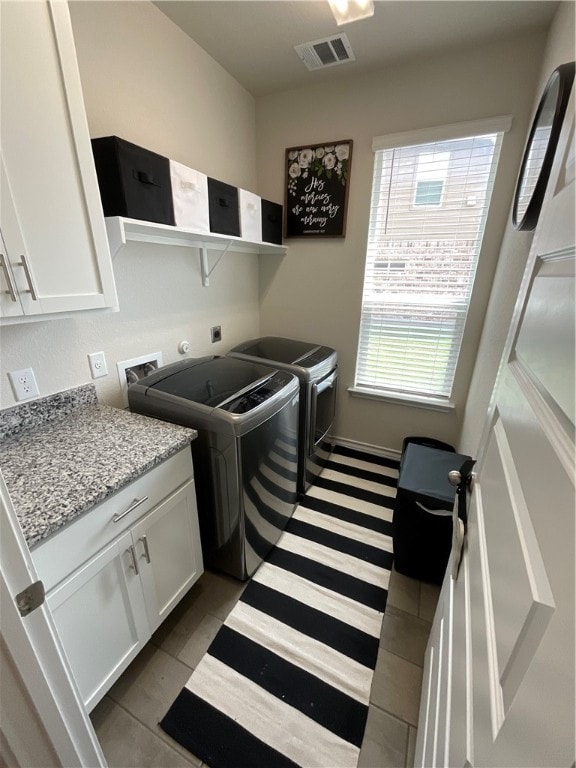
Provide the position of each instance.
(316, 190)
(540, 148)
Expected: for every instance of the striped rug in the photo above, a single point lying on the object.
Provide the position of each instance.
(286, 681)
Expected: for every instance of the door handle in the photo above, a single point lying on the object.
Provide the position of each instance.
(326, 383)
(31, 288)
(144, 541)
(11, 292)
(131, 508)
(132, 554)
(455, 478)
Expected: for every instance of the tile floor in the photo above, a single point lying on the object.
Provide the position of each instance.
(126, 720)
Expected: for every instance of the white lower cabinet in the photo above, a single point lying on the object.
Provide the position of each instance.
(167, 553)
(107, 608)
(101, 619)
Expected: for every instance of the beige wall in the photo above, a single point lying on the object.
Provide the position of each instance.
(560, 48)
(146, 81)
(314, 293)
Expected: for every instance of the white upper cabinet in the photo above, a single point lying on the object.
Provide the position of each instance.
(55, 249)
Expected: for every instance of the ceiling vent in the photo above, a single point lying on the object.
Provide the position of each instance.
(326, 52)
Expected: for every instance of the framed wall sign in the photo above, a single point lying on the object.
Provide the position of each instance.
(316, 196)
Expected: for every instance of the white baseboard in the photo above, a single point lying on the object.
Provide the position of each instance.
(376, 450)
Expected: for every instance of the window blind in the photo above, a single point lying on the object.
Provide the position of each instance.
(428, 212)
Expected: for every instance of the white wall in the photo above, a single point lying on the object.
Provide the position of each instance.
(560, 48)
(315, 292)
(147, 82)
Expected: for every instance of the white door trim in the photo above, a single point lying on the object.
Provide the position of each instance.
(36, 651)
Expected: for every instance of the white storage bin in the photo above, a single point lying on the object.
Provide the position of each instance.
(190, 197)
(250, 216)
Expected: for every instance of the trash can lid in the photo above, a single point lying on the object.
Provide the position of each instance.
(424, 475)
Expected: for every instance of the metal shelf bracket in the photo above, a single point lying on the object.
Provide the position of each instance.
(204, 263)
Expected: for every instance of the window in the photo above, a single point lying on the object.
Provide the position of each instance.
(428, 192)
(430, 177)
(429, 206)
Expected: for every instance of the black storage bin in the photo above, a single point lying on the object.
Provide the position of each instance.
(422, 521)
(224, 208)
(271, 222)
(133, 181)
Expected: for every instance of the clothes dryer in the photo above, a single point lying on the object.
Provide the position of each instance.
(316, 367)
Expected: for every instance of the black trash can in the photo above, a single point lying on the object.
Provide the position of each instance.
(422, 521)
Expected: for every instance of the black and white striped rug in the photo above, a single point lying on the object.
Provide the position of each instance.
(286, 681)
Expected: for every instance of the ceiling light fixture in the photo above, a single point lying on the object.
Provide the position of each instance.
(346, 11)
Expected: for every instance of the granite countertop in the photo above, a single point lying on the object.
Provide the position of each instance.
(62, 455)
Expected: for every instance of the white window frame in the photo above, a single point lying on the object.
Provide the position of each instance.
(499, 124)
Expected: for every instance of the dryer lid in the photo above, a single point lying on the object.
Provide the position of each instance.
(290, 351)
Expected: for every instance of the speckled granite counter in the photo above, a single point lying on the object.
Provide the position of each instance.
(63, 454)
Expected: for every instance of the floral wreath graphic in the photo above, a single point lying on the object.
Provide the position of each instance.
(330, 160)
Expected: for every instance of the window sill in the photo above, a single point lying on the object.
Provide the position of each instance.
(413, 401)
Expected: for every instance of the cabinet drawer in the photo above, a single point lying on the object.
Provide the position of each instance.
(75, 543)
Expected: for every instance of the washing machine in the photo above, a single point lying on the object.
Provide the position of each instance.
(245, 457)
(316, 367)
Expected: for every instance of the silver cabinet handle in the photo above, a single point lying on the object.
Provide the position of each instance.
(131, 508)
(11, 292)
(134, 565)
(32, 289)
(144, 541)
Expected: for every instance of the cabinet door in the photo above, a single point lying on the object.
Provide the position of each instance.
(101, 618)
(167, 543)
(56, 241)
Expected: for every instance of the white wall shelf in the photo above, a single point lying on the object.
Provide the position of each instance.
(122, 230)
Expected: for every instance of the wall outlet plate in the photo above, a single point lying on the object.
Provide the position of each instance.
(216, 333)
(137, 365)
(24, 384)
(98, 365)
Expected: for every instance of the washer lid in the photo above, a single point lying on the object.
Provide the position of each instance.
(291, 351)
(212, 382)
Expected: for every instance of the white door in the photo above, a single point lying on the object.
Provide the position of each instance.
(499, 674)
(168, 552)
(50, 211)
(101, 618)
(40, 685)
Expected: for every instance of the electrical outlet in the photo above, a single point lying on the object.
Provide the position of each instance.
(24, 384)
(216, 333)
(98, 365)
